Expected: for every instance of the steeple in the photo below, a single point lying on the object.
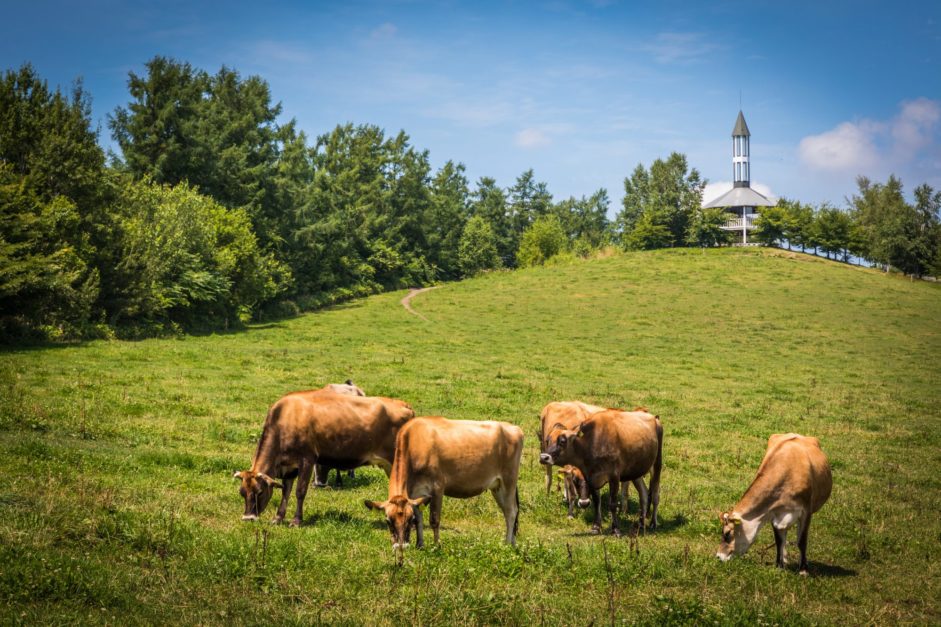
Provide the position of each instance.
(740, 151)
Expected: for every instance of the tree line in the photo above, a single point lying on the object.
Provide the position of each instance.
(214, 213)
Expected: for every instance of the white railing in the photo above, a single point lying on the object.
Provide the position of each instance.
(735, 223)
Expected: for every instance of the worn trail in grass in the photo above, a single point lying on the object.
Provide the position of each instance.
(117, 501)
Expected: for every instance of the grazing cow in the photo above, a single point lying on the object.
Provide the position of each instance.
(572, 484)
(569, 414)
(303, 429)
(792, 484)
(609, 447)
(321, 472)
(436, 457)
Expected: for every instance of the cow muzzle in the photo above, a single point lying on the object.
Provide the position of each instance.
(583, 503)
(545, 458)
(724, 556)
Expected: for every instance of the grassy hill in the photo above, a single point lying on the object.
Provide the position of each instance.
(117, 502)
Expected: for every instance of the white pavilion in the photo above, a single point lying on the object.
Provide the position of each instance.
(741, 201)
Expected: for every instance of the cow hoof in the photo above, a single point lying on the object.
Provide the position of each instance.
(616, 533)
(571, 517)
(295, 523)
(595, 531)
(277, 520)
(804, 573)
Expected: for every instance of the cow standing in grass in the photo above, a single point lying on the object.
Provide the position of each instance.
(610, 447)
(792, 484)
(436, 457)
(321, 472)
(569, 414)
(304, 429)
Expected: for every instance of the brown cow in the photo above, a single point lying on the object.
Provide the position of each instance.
(792, 484)
(569, 414)
(572, 484)
(610, 447)
(321, 472)
(436, 457)
(304, 429)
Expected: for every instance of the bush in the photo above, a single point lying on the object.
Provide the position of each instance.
(477, 249)
(544, 239)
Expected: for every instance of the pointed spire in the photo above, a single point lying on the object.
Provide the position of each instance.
(740, 127)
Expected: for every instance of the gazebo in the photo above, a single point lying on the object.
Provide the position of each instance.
(740, 201)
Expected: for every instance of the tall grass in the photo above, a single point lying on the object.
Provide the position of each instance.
(117, 502)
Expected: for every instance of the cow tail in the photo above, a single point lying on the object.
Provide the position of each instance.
(658, 463)
(516, 521)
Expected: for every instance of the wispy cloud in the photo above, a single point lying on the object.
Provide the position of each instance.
(867, 144)
(531, 138)
(383, 32)
(673, 47)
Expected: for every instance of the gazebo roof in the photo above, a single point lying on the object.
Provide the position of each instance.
(739, 197)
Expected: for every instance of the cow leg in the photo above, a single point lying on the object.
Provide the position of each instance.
(339, 482)
(614, 489)
(321, 476)
(643, 501)
(549, 468)
(570, 496)
(506, 497)
(286, 485)
(654, 501)
(305, 470)
(437, 498)
(780, 543)
(596, 504)
(802, 542)
(419, 529)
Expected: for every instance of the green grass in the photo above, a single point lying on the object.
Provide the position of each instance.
(117, 502)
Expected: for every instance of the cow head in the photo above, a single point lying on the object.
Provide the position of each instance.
(576, 486)
(400, 516)
(735, 540)
(256, 488)
(559, 444)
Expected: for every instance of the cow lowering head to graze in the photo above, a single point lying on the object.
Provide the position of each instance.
(610, 447)
(793, 482)
(569, 414)
(573, 486)
(343, 388)
(303, 429)
(436, 457)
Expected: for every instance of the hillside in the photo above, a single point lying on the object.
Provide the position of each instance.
(118, 504)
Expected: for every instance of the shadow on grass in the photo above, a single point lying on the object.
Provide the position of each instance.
(343, 517)
(818, 569)
(360, 480)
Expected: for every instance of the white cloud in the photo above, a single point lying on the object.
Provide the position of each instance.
(863, 146)
(530, 138)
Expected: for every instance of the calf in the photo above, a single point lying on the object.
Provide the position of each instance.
(304, 429)
(792, 484)
(572, 485)
(436, 457)
(609, 447)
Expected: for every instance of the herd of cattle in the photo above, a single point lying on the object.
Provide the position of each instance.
(427, 458)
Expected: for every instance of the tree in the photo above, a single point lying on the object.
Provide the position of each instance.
(188, 260)
(585, 220)
(477, 250)
(445, 219)
(772, 225)
(705, 228)
(529, 200)
(800, 220)
(832, 231)
(489, 202)
(667, 196)
(542, 241)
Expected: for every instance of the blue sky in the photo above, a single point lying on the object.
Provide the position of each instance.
(579, 91)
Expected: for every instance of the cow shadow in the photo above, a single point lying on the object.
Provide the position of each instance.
(362, 479)
(338, 516)
(819, 569)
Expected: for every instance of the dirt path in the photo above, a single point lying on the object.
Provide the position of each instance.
(407, 301)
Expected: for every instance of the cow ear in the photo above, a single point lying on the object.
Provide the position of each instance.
(349, 381)
(424, 500)
(373, 504)
(268, 480)
(736, 519)
(586, 427)
(237, 475)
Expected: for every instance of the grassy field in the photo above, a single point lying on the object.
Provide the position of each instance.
(117, 502)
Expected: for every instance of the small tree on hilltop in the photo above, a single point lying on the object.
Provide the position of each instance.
(542, 241)
(705, 228)
(772, 225)
(477, 250)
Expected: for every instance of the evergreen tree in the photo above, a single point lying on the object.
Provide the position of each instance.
(477, 250)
